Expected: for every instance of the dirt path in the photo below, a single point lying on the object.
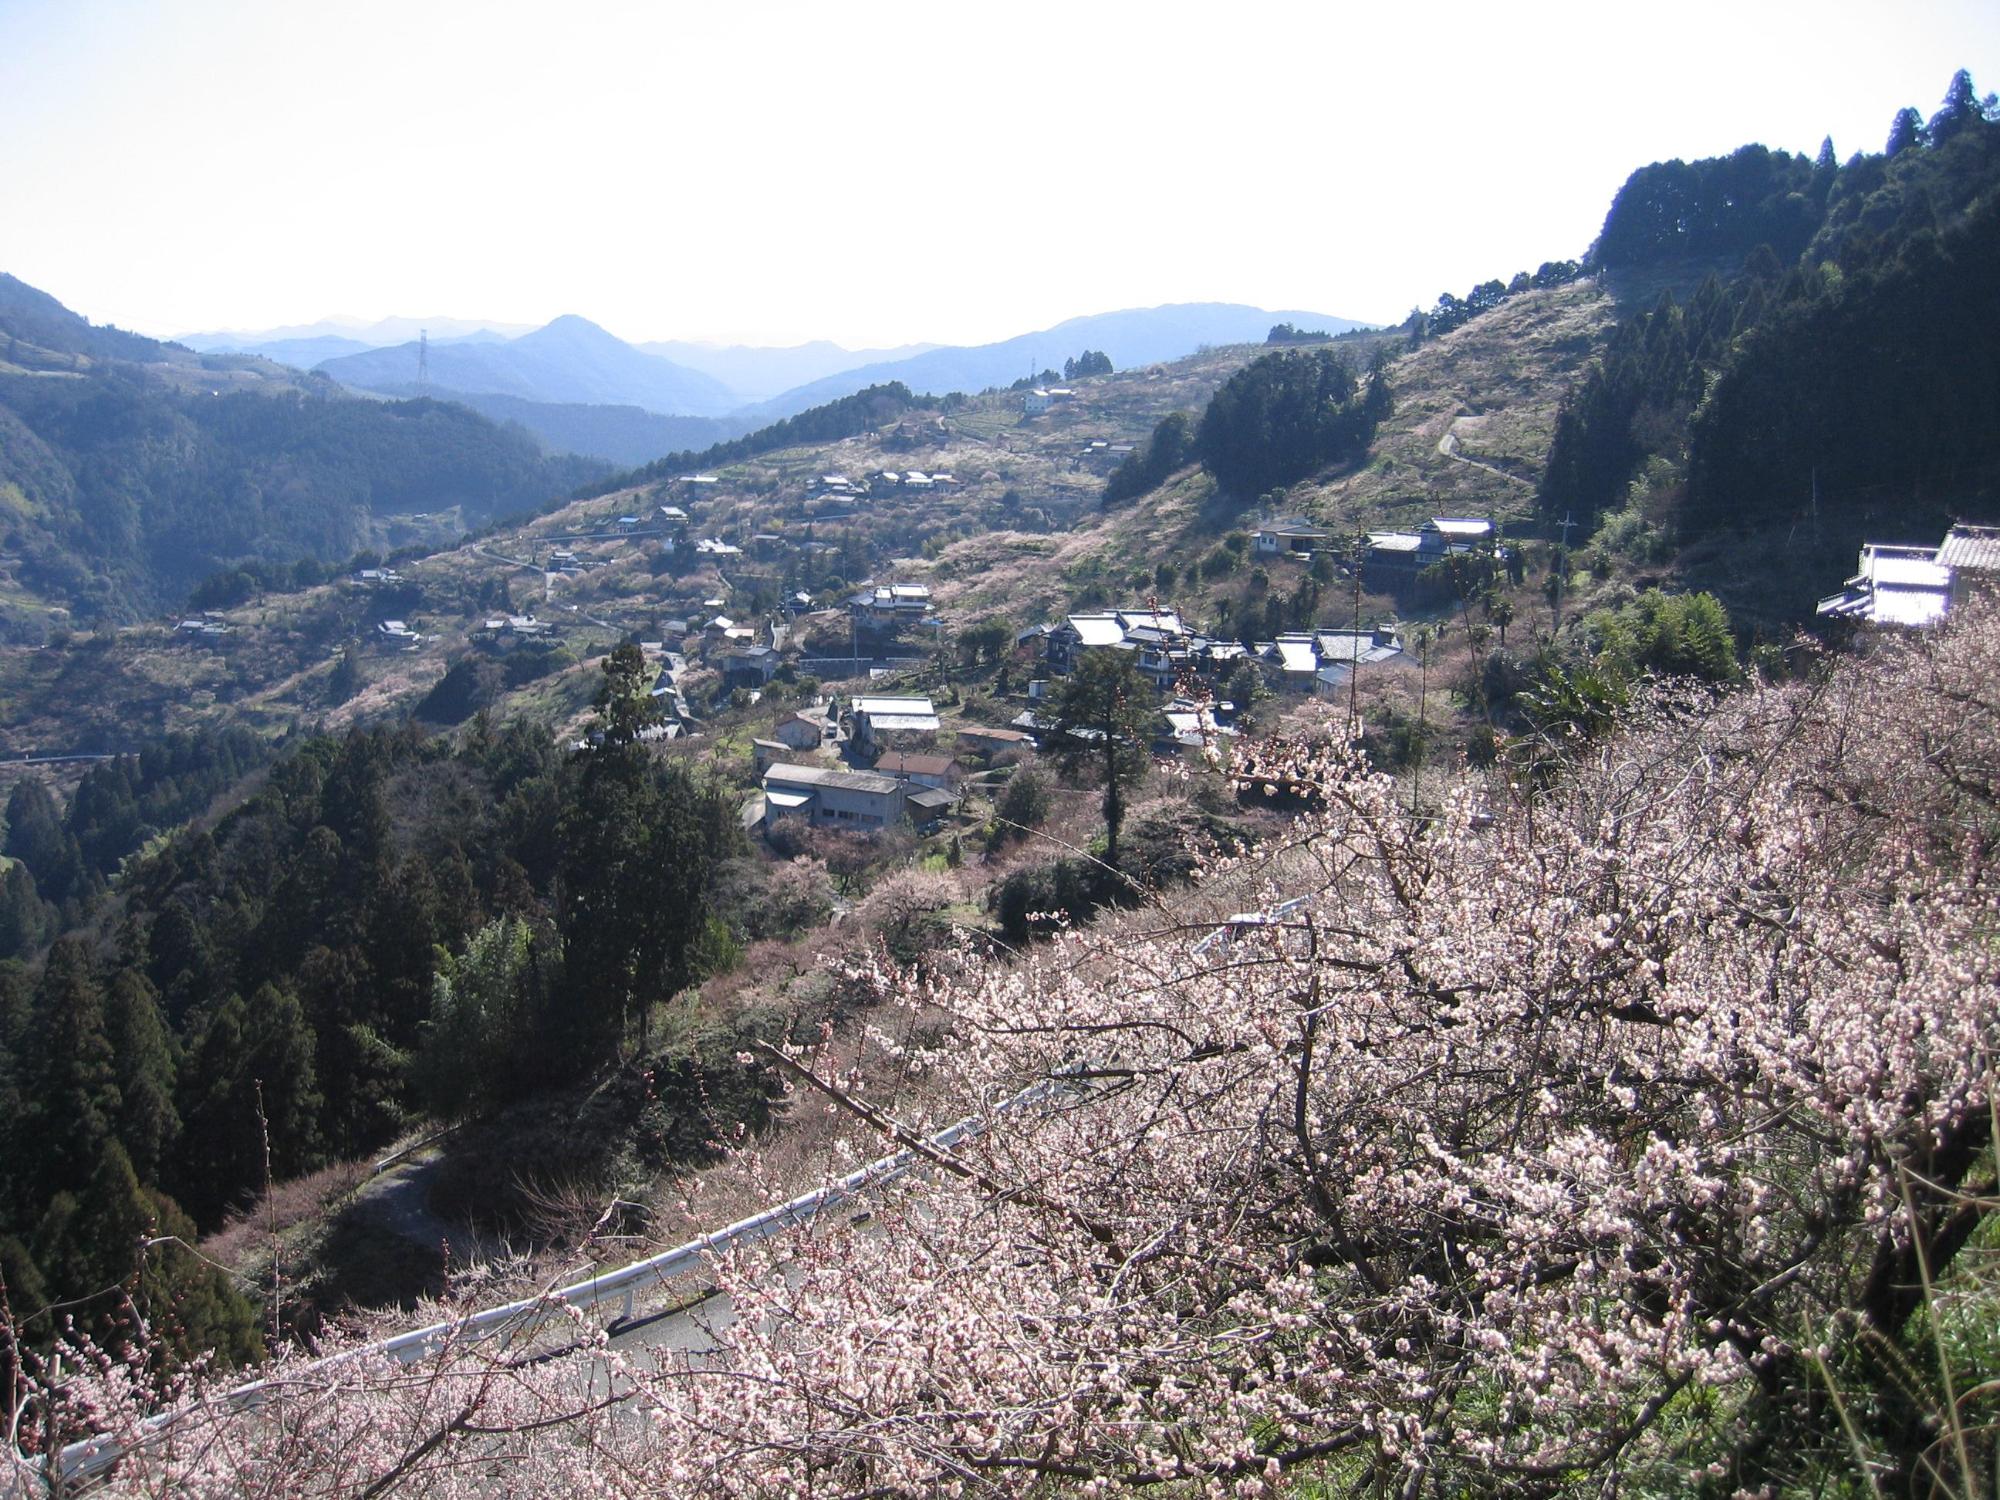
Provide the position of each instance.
(1448, 447)
(400, 1201)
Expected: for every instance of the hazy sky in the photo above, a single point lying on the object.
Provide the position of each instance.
(774, 172)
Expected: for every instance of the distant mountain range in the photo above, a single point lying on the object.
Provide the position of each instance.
(582, 390)
(757, 374)
(569, 360)
(1135, 336)
(357, 331)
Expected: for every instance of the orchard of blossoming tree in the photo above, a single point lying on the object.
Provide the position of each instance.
(1626, 1131)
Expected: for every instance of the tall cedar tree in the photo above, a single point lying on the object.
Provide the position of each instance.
(1101, 723)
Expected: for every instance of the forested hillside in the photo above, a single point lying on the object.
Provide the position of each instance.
(130, 470)
(1838, 368)
(279, 990)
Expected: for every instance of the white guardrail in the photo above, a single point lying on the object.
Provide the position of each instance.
(83, 1461)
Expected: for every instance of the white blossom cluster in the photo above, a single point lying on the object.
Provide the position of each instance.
(1557, 1136)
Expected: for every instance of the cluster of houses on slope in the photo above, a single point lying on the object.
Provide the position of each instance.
(893, 737)
(1395, 551)
(1174, 657)
(1916, 586)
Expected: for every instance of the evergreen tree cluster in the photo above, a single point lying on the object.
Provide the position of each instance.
(1644, 389)
(389, 928)
(1866, 365)
(1725, 206)
(1888, 378)
(1288, 415)
(60, 859)
(1146, 467)
(1090, 362)
(1455, 312)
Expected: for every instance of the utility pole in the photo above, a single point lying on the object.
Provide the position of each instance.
(1562, 570)
(1354, 659)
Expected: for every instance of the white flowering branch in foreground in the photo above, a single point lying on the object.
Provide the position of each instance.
(1558, 1143)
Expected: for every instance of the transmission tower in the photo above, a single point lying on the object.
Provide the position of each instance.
(423, 361)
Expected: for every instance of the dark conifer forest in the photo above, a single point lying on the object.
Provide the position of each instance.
(277, 989)
(1846, 345)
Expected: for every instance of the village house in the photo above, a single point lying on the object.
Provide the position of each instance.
(926, 805)
(803, 731)
(395, 635)
(891, 604)
(981, 741)
(768, 753)
(508, 630)
(1342, 653)
(1289, 662)
(749, 665)
(1290, 535)
(1040, 400)
(1066, 643)
(1973, 555)
(829, 798)
(1155, 633)
(938, 771)
(1437, 538)
(1915, 586)
(882, 723)
(1189, 726)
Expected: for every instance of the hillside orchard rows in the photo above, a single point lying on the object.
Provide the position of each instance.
(1632, 1134)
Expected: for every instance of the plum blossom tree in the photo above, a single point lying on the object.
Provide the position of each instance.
(1601, 1137)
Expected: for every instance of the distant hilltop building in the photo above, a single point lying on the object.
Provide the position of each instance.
(1915, 586)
